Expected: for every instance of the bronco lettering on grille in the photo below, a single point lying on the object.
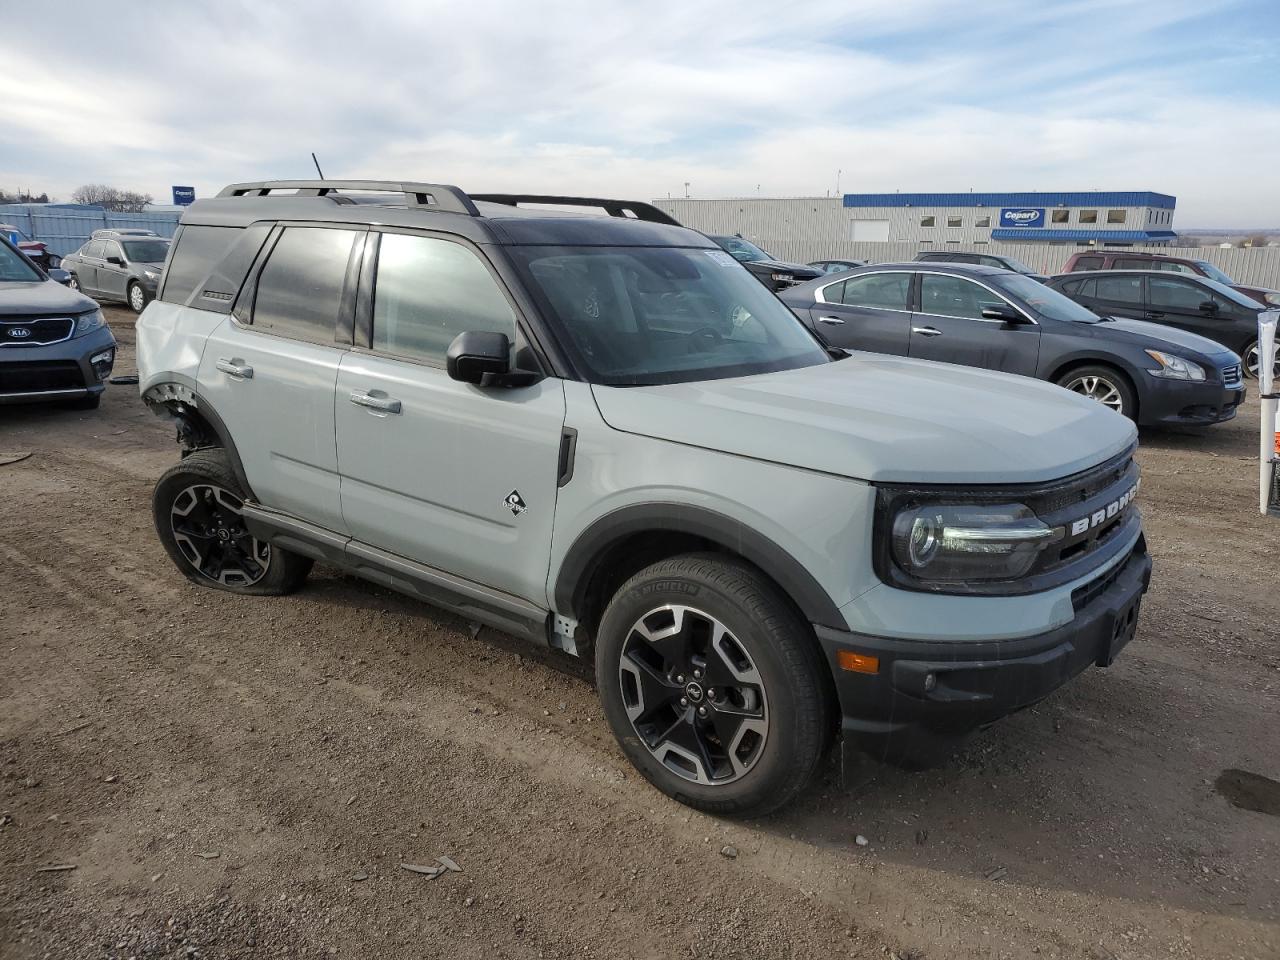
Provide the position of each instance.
(1103, 514)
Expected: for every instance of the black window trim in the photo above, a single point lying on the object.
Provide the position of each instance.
(919, 294)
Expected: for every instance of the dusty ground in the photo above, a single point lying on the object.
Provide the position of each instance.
(241, 778)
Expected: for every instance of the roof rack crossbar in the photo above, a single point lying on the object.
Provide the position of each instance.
(440, 196)
(639, 210)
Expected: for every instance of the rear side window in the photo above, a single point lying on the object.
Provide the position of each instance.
(1135, 263)
(197, 251)
(1087, 263)
(883, 290)
(299, 290)
(430, 290)
(1120, 289)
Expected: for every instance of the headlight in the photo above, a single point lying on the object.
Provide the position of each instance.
(1273, 299)
(959, 542)
(1175, 368)
(89, 322)
(151, 274)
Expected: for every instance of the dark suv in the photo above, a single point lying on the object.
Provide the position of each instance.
(1133, 260)
(54, 344)
(120, 266)
(774, 274)
(998, 261)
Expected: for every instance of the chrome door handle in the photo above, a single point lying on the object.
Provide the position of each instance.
(381, 404)
(830, 320)
(235, 368)
(927, 331)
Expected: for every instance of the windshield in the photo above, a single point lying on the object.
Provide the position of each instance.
(13, 268)
(741, 249)
(145, 251)
(1213, 273)
(1017, 265)
(652, 315)
(1043, 300)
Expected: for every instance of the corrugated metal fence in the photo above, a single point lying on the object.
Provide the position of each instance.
(66, 226)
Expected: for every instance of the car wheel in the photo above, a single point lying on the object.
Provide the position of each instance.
(1107, 386)
(198, 511)
(74, 283)
(713, 685)
(1253, 363)
(137, 297)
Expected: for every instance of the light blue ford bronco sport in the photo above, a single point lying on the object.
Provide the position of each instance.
(602, 434)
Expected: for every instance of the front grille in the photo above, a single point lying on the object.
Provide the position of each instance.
(18, 377)
(1081, 597)
(34, 332)
(1232, 376)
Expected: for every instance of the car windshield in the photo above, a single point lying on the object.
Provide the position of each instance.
(1017, 265)
(1213, 273)
(146, 251)
(1047, 302)
(13, 268)
(741, 249)
(637, 316)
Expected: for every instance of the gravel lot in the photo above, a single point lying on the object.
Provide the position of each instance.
(243, 777)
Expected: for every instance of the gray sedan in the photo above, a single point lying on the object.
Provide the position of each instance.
(987, 317)
(118, 267)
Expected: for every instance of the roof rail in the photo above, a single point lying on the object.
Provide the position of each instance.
(615, 208)
(438, 195)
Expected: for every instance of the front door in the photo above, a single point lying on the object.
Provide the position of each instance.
(949, 326)
(459, 477)
(1190, 305)
(866, 312)
(270, 375)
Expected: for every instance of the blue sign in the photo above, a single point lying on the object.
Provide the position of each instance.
(1021, 217)
(182, 196)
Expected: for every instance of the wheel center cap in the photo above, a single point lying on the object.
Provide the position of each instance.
(224, 533)
(693, 691)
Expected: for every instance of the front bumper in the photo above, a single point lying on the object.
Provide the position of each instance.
(59, 371)
(925, 689)
(1175, 402)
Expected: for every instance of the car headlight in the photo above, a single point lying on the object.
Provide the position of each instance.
(88, 322)
(1174, 367)
(962, 542)
(151, 274)
(1273, 299)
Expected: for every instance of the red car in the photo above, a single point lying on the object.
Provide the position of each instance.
(1132, 260)
(36, 250)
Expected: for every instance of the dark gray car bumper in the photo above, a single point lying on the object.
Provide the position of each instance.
(59, 371)
(1175, 402)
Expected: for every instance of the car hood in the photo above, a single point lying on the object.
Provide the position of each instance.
(881, 418)
(799, 269)
(1157, 336)
(43, 297)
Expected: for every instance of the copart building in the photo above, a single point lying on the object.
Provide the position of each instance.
(939, 220)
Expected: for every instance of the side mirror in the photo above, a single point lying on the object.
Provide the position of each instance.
(61, 276)
(1209, 307)
(1003, 314)
(115, 260)
(484, 358)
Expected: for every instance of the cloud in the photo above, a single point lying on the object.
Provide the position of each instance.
(635, 100)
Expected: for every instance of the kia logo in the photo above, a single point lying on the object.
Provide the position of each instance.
(19, 333)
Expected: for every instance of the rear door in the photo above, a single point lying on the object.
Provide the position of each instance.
(455, 476)
(868, 312)
(113, 278)
(948, 325)
(269, 370)
(1119, 295)
(87, 272)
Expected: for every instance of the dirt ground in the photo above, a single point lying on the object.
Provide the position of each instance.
(239, 777)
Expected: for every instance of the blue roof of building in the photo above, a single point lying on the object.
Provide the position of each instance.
(1113, 236)
(1132, 198)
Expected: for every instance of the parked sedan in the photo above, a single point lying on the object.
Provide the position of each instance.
(118, 266)
(1136, 260)
(1197, 304)
(774, 274)
(982, 259)
(837, 266)
(54, 343)
(985, 317)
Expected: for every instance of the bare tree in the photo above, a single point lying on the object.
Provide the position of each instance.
(112, 198)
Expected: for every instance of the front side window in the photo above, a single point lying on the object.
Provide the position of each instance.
(1120, 289)
(1177, 294)
(112, 249)
(13, 269)
(300, 289)
(635, 316)
(954, 297)
(97, 250)
(428, 291)
(883, 290)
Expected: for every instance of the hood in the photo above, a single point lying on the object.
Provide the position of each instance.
(882, 418)
(799, 269)
(1157, 336)
(42, 298)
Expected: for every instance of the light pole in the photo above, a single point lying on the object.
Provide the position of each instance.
(686, 189)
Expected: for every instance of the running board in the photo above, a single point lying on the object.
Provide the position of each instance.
(468, 599)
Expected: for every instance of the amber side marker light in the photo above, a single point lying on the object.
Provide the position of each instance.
(857, 662)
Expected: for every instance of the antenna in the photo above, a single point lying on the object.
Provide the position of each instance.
(317, 163)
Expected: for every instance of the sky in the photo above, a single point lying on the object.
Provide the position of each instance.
(637, 99)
